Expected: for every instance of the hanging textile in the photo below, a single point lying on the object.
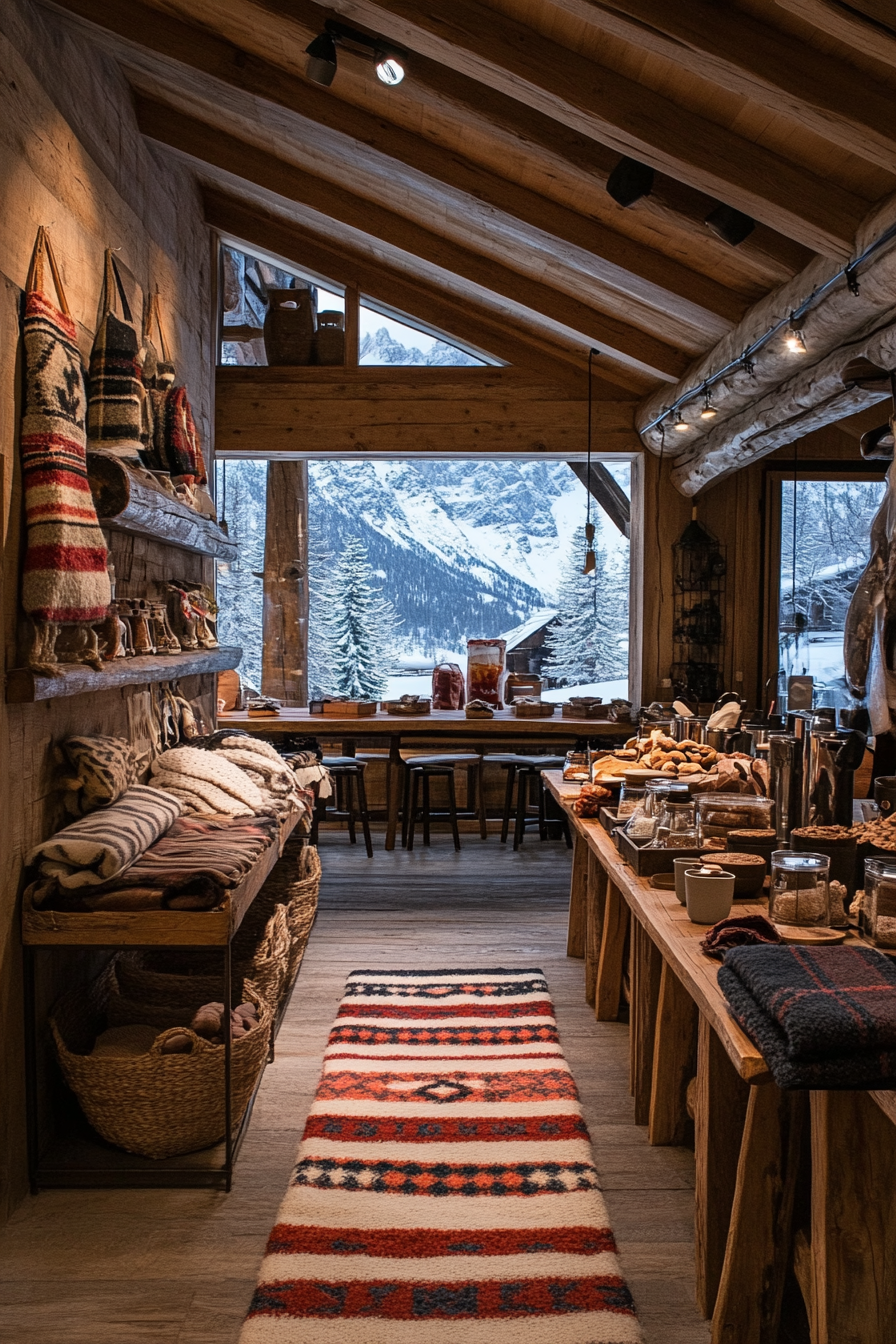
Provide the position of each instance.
(115, 421)
(65, 578)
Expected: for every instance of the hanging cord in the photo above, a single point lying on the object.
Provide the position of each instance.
(793, 612)
(590, 558)
(659, 557)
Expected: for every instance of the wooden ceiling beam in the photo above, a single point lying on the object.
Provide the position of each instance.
(869, 28)
(294, 245)
(620, 262)
(208, 144)
(488, 46)
(740, 53)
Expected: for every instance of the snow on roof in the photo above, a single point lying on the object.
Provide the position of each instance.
(828, 572)
(519, 633)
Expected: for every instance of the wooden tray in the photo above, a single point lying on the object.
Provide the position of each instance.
(601, 712)
(610, 818)
(545, 711)
(347, 709)
(396, 707)
(645, 862)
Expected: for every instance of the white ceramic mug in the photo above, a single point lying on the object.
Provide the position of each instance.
(710, 894)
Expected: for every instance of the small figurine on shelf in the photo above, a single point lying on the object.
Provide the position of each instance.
(184, 620)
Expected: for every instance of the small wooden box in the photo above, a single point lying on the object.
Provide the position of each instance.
(587, 712)
(610, 818)
(396, 707)
(645, 862)
(542, 711)
(347, 709)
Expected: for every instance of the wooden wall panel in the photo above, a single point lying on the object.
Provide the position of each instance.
(71, 158)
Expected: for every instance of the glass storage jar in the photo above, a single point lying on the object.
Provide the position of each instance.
(676, 825)
(799, 892)
(631, 797)
(643, 821)
(577, 767)
(719, 813)
(485, 671)
(879, 910)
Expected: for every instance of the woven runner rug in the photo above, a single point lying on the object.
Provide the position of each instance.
(445, 1191)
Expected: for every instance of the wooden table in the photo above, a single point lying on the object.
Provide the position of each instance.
(543, 736)
(760, 1208)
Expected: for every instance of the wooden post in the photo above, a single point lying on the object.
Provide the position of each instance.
(853, 1220)
(720, 1108)
(284, 665)
(647, 965)
(674, 1060)
(352, 326)
(578, 885)
(760, 1237)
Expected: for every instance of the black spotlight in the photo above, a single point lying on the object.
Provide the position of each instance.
(321, 67)
(731, 225)
(629, 181)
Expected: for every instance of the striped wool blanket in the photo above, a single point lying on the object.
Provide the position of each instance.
(445, 1191)
(105, 843)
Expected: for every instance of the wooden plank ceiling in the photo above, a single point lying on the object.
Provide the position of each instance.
(475, 192)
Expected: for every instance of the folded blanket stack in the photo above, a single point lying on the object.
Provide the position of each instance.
(191, 866)
(107, 842)
(265, 767)
(206, 782)
(824, 1018)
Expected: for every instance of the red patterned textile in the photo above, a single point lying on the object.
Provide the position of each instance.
(445, 1190)
(64, 577)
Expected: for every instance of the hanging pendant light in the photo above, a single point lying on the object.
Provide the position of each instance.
(794, 340)
(590, 557)
(709, 411)
(681, 425)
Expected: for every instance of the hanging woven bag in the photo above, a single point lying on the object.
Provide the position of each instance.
(64, 578)
(115, 391)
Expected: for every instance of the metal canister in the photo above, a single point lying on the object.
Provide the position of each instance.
(827, 782)
(689, 728)
(784, 781)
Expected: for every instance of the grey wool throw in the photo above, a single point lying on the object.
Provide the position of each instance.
(105, 843)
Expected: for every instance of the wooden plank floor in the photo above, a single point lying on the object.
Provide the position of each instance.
(179, 1266)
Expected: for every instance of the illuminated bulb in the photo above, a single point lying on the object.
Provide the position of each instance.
(709, 411)
(389, 70)
(794, 341)
(681, 425)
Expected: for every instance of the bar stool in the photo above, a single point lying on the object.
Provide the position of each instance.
(521, 770)
(419, 771)
(348, 775)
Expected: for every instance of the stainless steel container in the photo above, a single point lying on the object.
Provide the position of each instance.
(827, 784)
(757, 735)
(691, 728)
(784, 781)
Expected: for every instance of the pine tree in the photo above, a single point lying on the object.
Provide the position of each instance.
(592, 617)
(358, 628)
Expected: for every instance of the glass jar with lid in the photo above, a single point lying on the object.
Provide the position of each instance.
(719, 813)
(643, 821)
(879, 909)
(631, 797)
(799, 892)
(676, 825)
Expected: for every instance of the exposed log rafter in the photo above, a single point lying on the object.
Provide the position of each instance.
(868, 28)
(603, 488)
(210, 145)
(618, 111)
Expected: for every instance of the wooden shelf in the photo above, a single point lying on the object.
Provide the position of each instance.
(154, 928)
(128, 501)
(25, 687)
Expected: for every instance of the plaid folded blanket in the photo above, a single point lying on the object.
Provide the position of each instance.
(823, 1018)
(105, 843)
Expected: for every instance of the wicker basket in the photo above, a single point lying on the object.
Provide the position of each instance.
(155, 1105)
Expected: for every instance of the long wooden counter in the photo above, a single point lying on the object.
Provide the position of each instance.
(786, 1181)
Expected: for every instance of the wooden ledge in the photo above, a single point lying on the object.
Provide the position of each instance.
(125, 500)
(24, 687)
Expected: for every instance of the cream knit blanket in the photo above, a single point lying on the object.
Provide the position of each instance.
(196, 765)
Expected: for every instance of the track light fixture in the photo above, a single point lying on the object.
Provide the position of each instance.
(794, 340)
(629, 182)
(709, 411)
(681, 425)
(389, 61)
(731, 225)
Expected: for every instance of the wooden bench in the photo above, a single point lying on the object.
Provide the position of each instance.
(785, 1180)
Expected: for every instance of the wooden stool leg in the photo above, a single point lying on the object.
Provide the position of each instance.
(405, 805)
(414, 781)
(426, 807)
(508, 803)
(760, 1241)
(397, 782)
(350, 808)
(480, 800)
(522, 803)
(364, 814)
(542, 814)
(595, 902)
(612, 952)
(452, 810)
(578, 888)
(674, 1061)
(647, 965)
(853, 1237)
(720, 1108)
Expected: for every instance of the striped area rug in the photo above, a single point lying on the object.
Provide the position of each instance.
(445, 1191)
